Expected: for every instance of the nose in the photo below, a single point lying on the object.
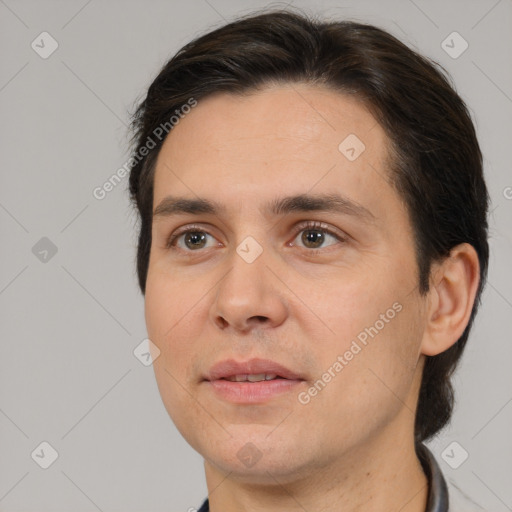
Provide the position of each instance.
(249, 296)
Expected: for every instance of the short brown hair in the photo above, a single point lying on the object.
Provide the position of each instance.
(435, 164)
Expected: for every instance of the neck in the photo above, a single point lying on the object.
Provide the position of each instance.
(384, 474)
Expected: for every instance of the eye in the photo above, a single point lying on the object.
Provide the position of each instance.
(313, 235)
(192, 239)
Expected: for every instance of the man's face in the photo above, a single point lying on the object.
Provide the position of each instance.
(330, 296)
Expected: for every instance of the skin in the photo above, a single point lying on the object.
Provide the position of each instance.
(351, 447)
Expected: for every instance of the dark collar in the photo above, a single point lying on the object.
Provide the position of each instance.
(437, 500)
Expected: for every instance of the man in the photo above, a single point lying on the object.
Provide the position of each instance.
(312, 249)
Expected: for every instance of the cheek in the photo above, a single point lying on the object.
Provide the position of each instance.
(185, 412)
(379, 356)
(171, 313)
(349, 303)
(167, 304)
(376, 324)
(171, 326)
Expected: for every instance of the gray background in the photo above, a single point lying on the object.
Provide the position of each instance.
(70, 321)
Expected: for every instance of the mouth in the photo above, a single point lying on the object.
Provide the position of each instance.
(258, 377)
(251, 382)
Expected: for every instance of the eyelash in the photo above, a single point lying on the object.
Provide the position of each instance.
(309, 225)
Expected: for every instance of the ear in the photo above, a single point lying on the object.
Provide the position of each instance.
(453, 286)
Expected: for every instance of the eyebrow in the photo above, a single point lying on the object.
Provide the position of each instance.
(171, 205)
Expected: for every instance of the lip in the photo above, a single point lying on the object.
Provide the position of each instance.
(250, 392)
(230, 367)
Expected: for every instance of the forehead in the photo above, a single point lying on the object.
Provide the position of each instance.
(289, 138)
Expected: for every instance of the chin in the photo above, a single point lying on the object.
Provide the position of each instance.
(257, 459)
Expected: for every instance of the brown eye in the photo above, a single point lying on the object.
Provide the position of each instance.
(312, 238)
(315, 236)
(190, 240)
(195, 239)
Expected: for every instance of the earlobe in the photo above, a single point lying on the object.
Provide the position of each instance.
(454, 283)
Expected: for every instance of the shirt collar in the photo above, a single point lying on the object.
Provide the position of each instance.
(437, 499)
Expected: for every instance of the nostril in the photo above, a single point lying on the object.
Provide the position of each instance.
(223, 322)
